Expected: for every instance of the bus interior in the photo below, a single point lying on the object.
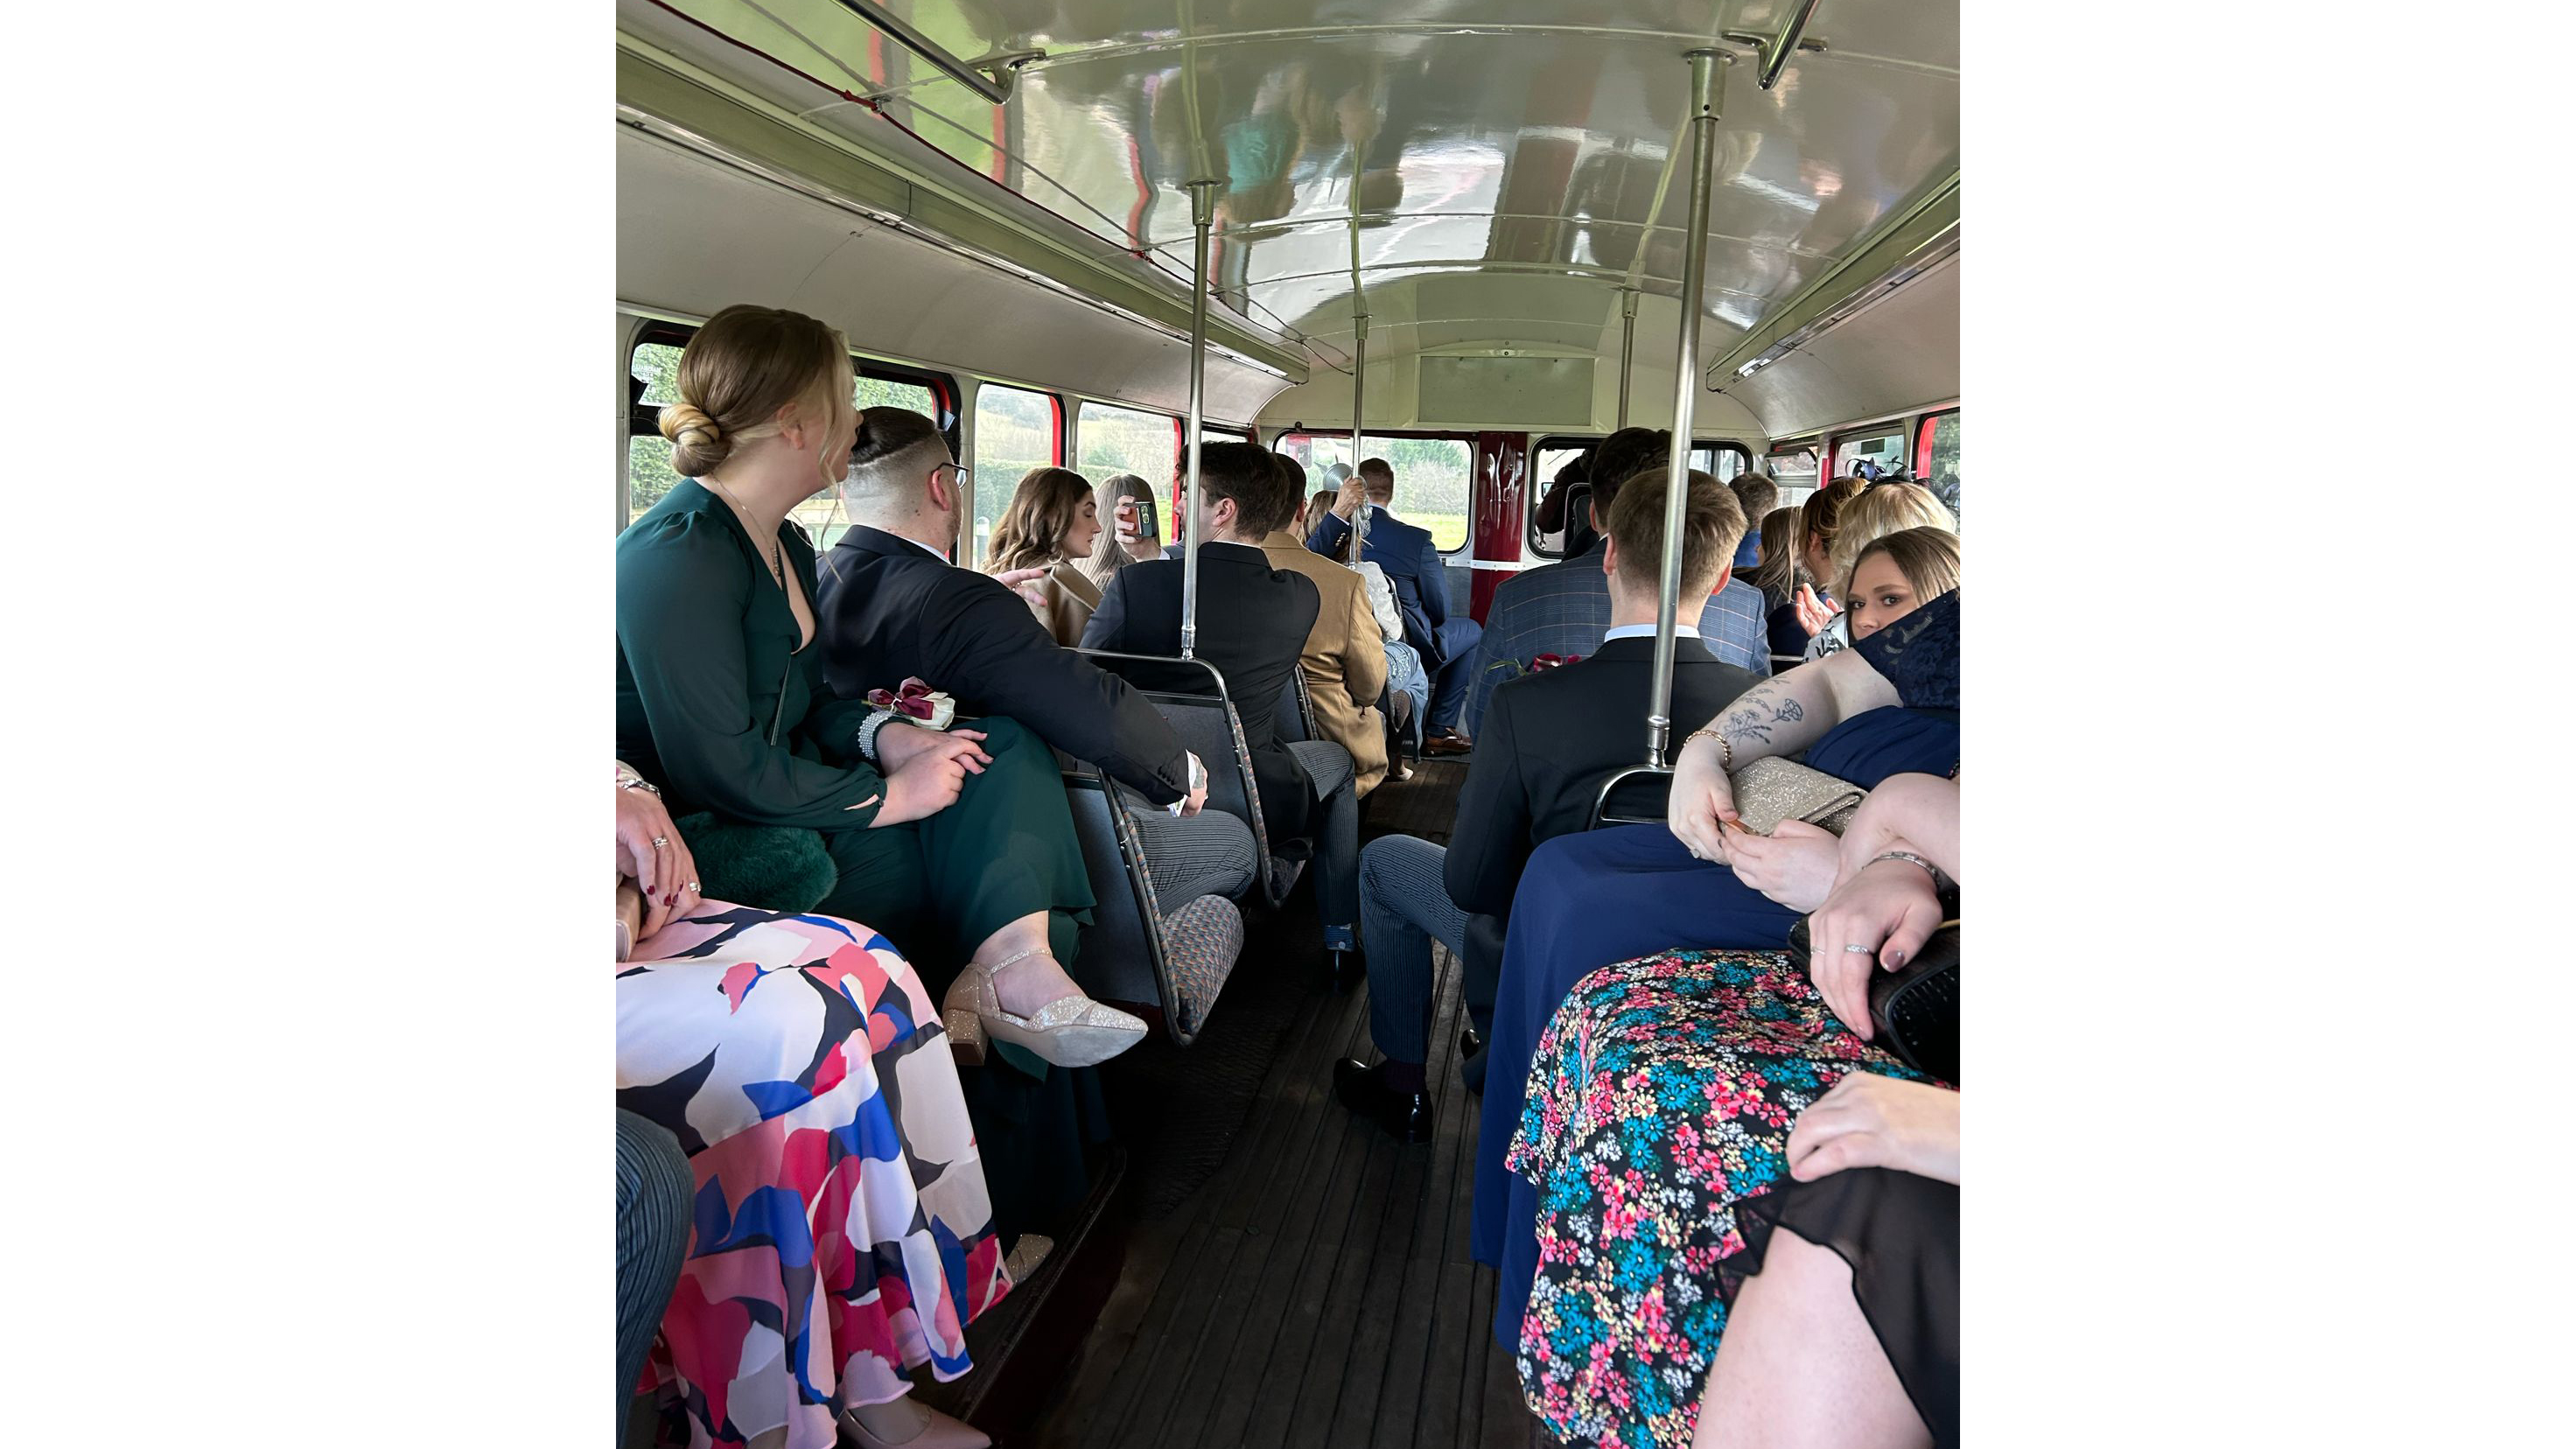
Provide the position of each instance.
(1462, 229)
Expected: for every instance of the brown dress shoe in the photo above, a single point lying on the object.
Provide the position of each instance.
(1451, 744)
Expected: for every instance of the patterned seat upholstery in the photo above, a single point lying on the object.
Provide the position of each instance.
(1201, 942)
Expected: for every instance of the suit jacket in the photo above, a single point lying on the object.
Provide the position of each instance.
(1413, 565)
(1344, 660)
(1550, 741)
(888, 611)
(1564, 608)
(1254, 621)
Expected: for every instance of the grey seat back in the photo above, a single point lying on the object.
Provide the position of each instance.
(1191, 697)
(1127, 954)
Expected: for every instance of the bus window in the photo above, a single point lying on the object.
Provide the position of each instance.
(821, 516)
(648, 454)
(1433, 477)
(1124, 440)
(1721, 461)
(1885, 451)
(1014, 432)
(1939, 448)
(1794, 469)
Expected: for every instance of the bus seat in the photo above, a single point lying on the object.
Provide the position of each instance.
(1580, 535)
(1138, 950)
(1190, 696)
(1297, 710)
(1638, 795)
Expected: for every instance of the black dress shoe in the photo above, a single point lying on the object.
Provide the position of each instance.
(1406, 1116)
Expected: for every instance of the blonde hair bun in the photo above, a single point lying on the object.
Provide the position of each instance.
(697, 444)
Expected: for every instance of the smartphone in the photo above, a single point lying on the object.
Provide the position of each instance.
(1140, 513)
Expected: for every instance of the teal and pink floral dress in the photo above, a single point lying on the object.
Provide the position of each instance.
(1660, 1101)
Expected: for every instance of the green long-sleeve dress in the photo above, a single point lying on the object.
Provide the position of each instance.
(718, 705)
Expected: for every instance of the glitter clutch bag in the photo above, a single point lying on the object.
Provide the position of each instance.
(1768, 791)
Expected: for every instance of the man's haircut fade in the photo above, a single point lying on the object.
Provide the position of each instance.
(887, 431)
(1265, 496)
(1712, 525)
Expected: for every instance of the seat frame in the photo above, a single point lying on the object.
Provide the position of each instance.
(1269, 874)
(1601, 815)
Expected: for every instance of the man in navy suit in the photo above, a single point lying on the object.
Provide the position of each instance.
(1420, 578)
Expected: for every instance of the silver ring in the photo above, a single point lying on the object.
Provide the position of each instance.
(661, 842)
(1864, 950)
(691, 887)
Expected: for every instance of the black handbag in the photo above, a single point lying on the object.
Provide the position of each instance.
(1914, 1010)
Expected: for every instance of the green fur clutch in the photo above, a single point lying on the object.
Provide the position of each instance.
(772, 867)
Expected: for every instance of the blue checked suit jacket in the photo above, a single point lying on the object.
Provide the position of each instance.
(1564, 608)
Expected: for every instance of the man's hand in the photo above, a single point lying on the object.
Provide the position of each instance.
(1024, 582)
(1197, 800)
(1346, 504)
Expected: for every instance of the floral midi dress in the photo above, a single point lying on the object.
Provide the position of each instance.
(1660, 1099)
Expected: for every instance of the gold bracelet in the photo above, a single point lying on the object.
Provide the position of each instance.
(1725, 750)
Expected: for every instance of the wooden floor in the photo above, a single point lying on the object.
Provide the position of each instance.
(1316, 1289)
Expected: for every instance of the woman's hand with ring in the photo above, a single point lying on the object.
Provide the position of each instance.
(1886, 910)
(665, 872)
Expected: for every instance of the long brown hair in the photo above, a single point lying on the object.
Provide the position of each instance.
(1042, 511)
(1781, 570)
(738, 371)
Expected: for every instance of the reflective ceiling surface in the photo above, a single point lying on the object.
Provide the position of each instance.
(1450, 138)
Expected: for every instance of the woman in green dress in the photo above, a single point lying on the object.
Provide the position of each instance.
(956, 845)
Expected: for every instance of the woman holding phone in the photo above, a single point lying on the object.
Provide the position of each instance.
(1126, 506)
(1052, 524)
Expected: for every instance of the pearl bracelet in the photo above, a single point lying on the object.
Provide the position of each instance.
(868, 733)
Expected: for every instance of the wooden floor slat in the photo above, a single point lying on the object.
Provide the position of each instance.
(1316, 1289)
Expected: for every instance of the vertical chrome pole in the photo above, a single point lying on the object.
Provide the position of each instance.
(1705, 84)
(1627, 346)
(1202, 211)
(1359, 408)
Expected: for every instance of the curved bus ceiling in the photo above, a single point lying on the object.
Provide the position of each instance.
(1492, 172)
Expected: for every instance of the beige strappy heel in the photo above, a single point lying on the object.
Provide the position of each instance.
(1070, 1031)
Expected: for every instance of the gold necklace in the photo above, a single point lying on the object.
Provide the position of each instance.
(777, 568)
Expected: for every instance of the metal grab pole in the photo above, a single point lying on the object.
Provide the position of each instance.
(1202, 211)
(1627, 346)
(1359, 400)
(1704, 98)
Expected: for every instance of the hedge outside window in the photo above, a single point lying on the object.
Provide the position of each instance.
(1015, 431)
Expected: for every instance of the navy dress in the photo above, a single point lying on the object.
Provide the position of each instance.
(1588, 900)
